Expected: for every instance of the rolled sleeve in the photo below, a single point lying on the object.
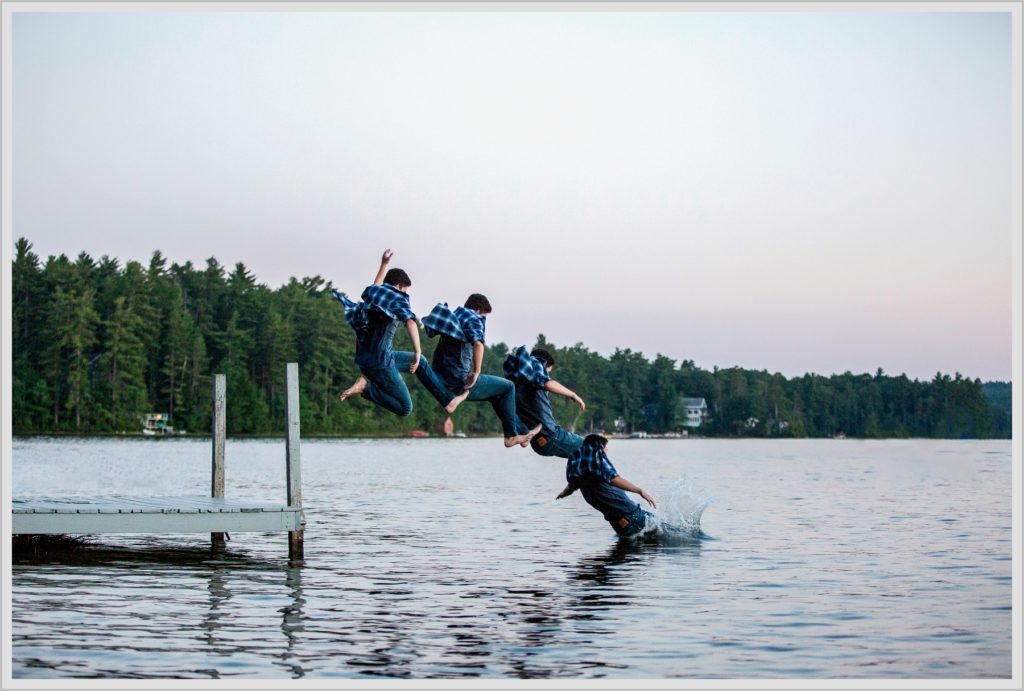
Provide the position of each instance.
(472, 324)
(606, 471)
(537, 375)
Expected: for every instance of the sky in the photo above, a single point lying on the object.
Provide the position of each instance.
(798, 192)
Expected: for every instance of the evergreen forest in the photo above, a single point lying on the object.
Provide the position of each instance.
(97, 345)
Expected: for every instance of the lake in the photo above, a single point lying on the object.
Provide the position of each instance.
(451, 558)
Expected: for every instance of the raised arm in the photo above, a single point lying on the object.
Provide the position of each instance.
(414, 336)
(554, 387)
(384, 260)
(623, 483)
(478, 363)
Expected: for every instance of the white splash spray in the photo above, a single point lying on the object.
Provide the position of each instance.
(678, 514)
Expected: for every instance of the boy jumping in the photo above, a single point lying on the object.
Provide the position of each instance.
(459, 356)
(384, 305)
(531, 374)
(590, 471)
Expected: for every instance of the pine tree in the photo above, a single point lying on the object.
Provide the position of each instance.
(662, 393)
(78, 337)
(29, 399)
(176, 341)
(196, 415)
(124, 365)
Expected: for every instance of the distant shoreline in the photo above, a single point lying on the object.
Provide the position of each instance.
(625, 437)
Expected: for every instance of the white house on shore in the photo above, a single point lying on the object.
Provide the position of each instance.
(695, 412)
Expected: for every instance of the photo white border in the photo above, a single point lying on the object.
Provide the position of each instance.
(16, 6)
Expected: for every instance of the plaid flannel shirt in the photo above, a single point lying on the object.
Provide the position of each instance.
(353, 310)
(589, 462)
(521, 366)
(463, 324)
(385, 298)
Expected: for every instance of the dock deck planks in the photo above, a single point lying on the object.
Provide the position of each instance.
(185, 514)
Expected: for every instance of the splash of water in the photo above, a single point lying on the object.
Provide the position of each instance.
(677, 517)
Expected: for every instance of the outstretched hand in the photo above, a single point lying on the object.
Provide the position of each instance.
(646, 496)
(386, 257)
(582, 405)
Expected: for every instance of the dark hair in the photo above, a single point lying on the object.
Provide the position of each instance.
(547, 358)
(598, 439)
(476, 301)
(397, 278)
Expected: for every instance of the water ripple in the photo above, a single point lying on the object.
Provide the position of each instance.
(447, 565)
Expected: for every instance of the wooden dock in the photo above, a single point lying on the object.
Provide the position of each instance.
(216, 515)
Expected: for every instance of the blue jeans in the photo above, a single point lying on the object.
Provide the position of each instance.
(562, 443)
(501, 394)
(633, 524)
(386, 388)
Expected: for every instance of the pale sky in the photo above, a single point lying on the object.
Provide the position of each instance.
(792, 191)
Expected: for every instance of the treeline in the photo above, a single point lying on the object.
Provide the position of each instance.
(97, 345)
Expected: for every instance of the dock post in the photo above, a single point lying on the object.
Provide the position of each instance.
(219, 434)
(295, 549)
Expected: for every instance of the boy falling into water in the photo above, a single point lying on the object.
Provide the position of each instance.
(531, 374)
(590, 471)
(459, 356)
(384, 305)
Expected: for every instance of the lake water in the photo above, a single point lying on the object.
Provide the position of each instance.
(432, 558)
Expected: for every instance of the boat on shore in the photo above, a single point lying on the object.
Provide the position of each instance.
(157, 425)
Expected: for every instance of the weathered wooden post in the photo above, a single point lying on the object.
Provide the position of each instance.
(219, 434)
(295, 551)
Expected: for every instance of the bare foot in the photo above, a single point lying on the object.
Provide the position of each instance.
(454, 403)
(522, 439)
(530, 435)
(356, 388)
